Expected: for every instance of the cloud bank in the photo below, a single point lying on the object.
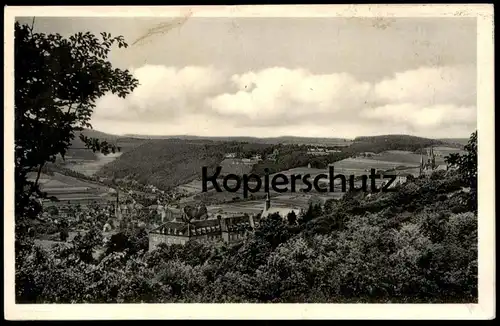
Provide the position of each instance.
(429, 101)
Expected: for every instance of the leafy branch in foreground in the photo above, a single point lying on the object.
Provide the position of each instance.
(466, 165)
(57, 81)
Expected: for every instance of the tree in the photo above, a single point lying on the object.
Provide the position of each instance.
(468, 170)
(292, 218)
(273, 230)
(452, 159)
(64, 234)
(53, 211)
(468, 162)
(307, 215)
(86, 244)
(57, 81)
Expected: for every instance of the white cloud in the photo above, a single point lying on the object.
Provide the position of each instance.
(430, 86)
(276, 95)
(420, 117)
(276, 101)
(164, 93)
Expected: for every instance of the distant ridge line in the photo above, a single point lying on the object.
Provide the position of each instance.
(101, 134)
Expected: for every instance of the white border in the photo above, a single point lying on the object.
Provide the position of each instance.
(485, 93)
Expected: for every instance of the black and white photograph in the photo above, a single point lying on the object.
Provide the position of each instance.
(239, 157)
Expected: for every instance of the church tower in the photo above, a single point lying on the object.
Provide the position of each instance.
(430, 163)
(268, 202)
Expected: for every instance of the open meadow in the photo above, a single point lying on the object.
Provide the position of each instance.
(297, 201)
(90, 167)
(69, 188)
(403, 162)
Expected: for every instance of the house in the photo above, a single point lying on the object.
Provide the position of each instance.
(229, 229)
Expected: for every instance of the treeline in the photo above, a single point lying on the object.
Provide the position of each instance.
(266, 151)
(415, 245)
(165, 163)
(378, 144)
(249, 150)
(297, 157)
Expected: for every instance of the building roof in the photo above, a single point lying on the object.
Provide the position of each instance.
(185, 229)
(282, 211)
(204, 227)
(200, 227)
(240, 223)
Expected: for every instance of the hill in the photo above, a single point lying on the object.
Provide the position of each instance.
(255, 140)
(70, 188)
(455, 142)
(378, 144)
(165, 163)
(78, 151)
(171, 162)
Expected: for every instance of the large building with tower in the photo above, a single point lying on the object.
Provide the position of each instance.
(428, 165)
(227, 228)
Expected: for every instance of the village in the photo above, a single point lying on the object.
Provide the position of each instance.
(177, 216)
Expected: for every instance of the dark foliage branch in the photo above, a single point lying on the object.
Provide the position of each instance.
(57, 81)
(466, 165)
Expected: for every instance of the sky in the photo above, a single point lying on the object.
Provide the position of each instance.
(267, 77)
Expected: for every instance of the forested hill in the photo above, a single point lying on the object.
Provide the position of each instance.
(77, 149)
(256, 140)
(382, 143)
(166, 163)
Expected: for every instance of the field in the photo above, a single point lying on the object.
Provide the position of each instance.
(457, 142)
(83, 160)
(68, 188)
(176, 153)
(405, 162)
(298, 201)
(403, 157)
(442, 151)
(358, 166)
(190, 188)
(90, 167)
